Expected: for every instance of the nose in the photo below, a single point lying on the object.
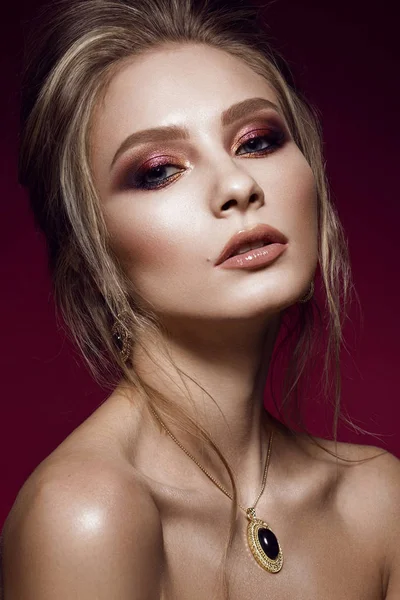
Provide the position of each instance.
(235, 189)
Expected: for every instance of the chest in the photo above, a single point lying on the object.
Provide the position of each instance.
(324, 556)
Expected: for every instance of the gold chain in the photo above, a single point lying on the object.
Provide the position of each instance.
(221, 487)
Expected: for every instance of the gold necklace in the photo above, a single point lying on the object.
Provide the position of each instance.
(262, 541)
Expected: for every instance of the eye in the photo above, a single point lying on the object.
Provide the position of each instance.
(160, 174)
(156, 176)
(262, 144)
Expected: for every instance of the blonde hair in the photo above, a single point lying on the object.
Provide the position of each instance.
(74, 56)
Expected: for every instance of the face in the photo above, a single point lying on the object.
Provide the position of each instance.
(172, 198)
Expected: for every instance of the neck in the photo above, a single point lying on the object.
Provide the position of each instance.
(230, 364)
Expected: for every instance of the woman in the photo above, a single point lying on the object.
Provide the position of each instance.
(179, 181)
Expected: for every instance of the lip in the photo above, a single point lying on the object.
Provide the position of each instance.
(254, 258)
(260, 233)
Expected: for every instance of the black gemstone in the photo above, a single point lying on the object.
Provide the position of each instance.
(118, 341)
(268, 542)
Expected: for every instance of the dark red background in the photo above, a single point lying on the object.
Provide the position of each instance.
(344, 56)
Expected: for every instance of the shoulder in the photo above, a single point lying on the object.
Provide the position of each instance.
(358, 471)
(376, 501)
(85, 527)
(371, 482)
(366, 475)
(378, 496)
(368, 500)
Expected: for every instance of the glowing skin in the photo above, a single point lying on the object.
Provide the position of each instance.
(169, 238)
(120, 510)
(221, 322)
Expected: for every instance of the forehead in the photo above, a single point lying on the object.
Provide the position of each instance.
(175, 85)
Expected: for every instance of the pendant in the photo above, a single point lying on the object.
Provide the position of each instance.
(263, 543)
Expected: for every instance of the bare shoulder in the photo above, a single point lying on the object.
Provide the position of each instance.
(364, 471)
(368, 500)
(369, 474)
(82, 526)
(372, 496)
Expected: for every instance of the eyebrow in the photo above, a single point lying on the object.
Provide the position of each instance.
(234, 113)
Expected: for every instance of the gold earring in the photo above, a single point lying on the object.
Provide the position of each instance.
(309, 294)
(122, 338)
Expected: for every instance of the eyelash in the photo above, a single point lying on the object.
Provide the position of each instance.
(275, 140)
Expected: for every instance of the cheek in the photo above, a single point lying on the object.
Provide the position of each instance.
(143, 238)
(299, 187)
(307, 216)
(295, 201)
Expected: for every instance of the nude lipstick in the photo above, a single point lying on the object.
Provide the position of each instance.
(252, 248)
